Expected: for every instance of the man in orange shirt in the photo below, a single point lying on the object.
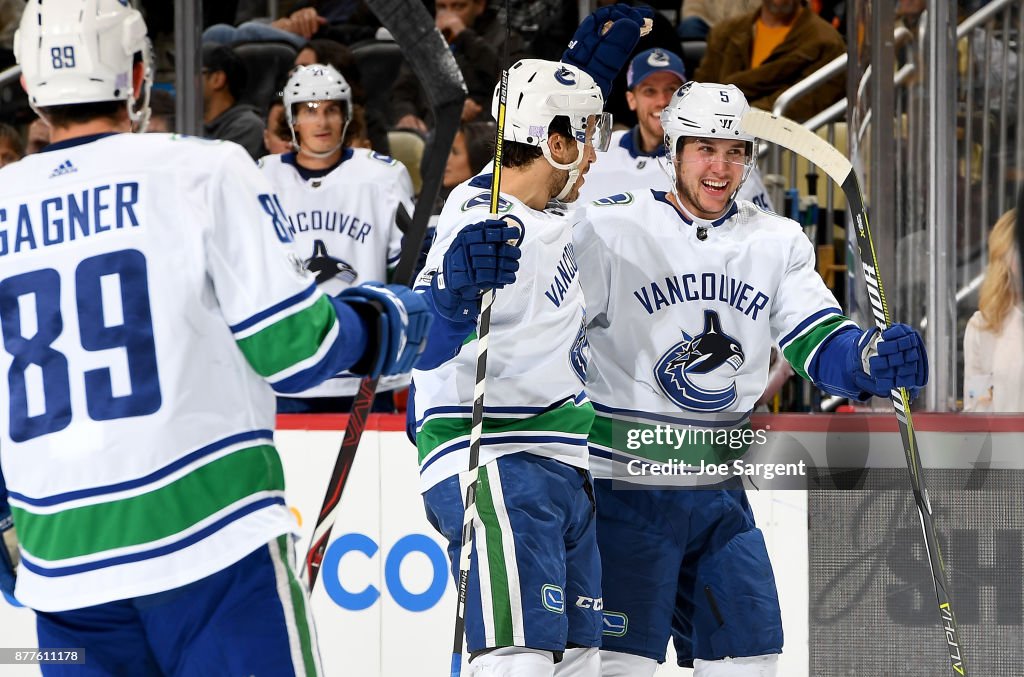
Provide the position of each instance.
(766, 51)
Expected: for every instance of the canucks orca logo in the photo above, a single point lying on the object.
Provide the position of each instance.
(690, 373)
(565, 76)
(327, 267)
(579, 354)
(484, 200)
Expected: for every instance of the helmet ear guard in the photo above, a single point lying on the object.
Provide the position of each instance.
(84, 52)
(316, 82)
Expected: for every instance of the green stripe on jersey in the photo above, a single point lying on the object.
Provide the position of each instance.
(153, 515)
(290, 340)
(803, 346)
(661, 442)
(568, 418)
(500, 602)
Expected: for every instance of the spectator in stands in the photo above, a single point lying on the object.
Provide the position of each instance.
(696, 17)
(374, 126)
(38, 136)
(471, 150)
(224, 80)
(476, 38)
(766, 51)
(11, 148)
(162, 114)
(544, 25)
(993, 362)
(296, 28)
(277, 138)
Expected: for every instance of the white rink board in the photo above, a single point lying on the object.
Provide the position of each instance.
(382, 509)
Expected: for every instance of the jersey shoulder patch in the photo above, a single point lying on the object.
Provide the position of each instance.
(484, 200)
(386, 159)
(614, 200)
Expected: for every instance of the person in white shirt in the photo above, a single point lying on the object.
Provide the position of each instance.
(993, 366)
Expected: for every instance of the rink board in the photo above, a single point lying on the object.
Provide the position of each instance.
(847, 557)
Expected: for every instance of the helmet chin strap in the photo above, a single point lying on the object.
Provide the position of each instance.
(573, 168)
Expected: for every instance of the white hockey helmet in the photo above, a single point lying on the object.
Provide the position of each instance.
(538, 92)
(83, 51)
(706, 110)
(316, 82)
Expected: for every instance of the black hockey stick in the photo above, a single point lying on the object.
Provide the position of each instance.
(428, 55)
(788, 134)
(476, 432)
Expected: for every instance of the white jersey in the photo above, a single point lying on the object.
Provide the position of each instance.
(345, 229)
(681, 329)
(536, 350)
(626, 167)
(145, 294)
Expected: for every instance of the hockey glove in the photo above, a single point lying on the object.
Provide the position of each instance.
(9, 548)
(888, 360)
(401, 319)
(602, 54)
(480, 257)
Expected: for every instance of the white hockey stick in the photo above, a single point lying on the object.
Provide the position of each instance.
(802, 141)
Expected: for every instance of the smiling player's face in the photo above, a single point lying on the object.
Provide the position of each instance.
(708, 172)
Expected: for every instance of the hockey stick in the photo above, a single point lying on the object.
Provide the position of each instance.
(476, 431)
(430, 59)
(793, 136)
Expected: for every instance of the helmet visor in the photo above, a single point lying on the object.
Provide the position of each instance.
(598, 131)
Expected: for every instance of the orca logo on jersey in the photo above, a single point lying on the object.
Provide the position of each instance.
(327, 267)
(689, 375)
(579, 354)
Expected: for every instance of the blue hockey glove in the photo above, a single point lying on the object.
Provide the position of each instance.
(480, 257)
(603, 54)
(9, 548)
(891, 359)
(401, 319)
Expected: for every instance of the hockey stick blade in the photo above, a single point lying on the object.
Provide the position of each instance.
(428, 55)
(802, 141)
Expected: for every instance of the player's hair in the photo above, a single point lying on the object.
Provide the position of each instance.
(356, 133)
(999, 290)
(516, 154)
(80, 113)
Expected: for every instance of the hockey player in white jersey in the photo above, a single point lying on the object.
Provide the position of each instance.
(636, 158)
(686, 293)
(341, 206)
(150, 308)
(534, 593)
